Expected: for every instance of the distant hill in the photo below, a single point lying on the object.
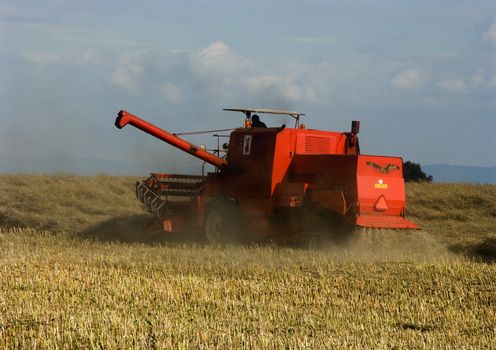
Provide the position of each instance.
(460, 173)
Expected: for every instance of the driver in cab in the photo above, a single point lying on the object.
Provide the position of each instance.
(256, 123)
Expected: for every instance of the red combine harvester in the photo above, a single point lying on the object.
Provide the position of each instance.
(283, 184)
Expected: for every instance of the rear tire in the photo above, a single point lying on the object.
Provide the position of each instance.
(314, 242)
(222, 222)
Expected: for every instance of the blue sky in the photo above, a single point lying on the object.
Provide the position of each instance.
(420, 75)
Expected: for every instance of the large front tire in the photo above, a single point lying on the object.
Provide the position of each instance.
(222, 222)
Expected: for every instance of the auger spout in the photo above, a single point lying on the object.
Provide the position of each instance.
(124, 118)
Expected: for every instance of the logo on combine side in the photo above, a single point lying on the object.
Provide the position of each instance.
(385, 169)
(247, 145)
(380, 184)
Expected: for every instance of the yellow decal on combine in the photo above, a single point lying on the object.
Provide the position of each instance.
(380, 186)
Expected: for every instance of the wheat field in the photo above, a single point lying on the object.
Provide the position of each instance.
(75, 272)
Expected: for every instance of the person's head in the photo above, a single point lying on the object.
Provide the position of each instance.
(255, 118)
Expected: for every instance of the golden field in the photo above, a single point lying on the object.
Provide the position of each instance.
(75, 272)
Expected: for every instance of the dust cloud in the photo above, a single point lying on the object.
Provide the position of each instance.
(366, 244)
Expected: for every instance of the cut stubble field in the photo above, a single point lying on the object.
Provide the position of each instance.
(76, 273)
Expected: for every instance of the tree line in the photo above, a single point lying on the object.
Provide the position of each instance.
(413, 172)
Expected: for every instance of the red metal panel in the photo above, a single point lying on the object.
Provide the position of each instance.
(331, 200)
(290, 194)
(373, 184)
(328, 172)
(250, 170)
(384, 221)
(318, 142)
(255, 206)
(283, 156)
(380, 177)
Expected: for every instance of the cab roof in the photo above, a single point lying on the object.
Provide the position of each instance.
(265, 110)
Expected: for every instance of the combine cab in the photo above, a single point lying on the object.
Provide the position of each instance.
(277, 183)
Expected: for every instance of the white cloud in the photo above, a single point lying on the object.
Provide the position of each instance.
(87, 56)
(219, 74)
(128, 76)
(139, 69)
(41, 57)
(409, 79)
(91, 56)
(227, 75)
(218, 69)
(456, 86)
(172, 93)
(214, 51)
(481, 80)
(279, 88)
(217, 58)
(489, 35)
(261, 82)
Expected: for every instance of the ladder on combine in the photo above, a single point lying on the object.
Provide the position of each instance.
(161, 192)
